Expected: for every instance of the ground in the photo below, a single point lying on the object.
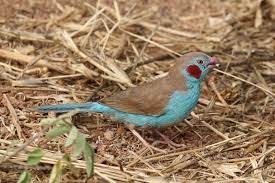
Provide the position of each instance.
(62, 51)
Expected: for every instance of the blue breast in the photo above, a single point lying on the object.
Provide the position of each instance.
(178, 107)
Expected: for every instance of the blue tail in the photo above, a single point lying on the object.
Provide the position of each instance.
(84, 107)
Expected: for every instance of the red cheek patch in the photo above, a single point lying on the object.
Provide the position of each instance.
(194, 71)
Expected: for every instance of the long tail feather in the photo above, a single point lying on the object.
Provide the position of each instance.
(84, 107)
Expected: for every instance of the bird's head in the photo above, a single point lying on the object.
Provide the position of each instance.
(194, 66)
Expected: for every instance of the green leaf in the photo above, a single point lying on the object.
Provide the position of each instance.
(52, 121)
(47, 121)
(67, 158)
(57, 131)
(72, 136)
(69, 165)
(25, 177)
(34, 157)
(89, 158)
(56, 173)
(79, 144)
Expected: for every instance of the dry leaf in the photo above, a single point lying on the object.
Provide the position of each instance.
(228, 168)
(214, 21)
(272, 8)
(26, 49)
(81, 68)
(156, 180)
(259, 16)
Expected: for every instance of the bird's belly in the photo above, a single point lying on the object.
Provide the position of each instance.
(179, 107)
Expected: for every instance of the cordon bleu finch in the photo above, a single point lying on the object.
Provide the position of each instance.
(163, 102)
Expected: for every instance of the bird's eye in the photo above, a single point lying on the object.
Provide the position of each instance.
(200, 62)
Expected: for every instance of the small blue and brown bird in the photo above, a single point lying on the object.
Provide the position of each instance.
(163, 102)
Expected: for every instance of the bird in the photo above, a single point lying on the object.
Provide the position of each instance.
(162, 102)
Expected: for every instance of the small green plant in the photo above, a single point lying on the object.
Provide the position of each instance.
(75, 139)
(34, 158)
(25, 177)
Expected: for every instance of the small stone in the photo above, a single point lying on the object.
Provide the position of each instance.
(109, 135)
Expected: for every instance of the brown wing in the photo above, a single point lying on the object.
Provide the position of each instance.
(149, 98)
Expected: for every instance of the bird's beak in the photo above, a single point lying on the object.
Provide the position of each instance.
(213, 63)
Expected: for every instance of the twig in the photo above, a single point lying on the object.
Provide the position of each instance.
(210, 127)
(213, 86)
(140, 56)
(29, 59)
(25, 36)
(145, 143)
(13, 116)
(95, 91)
(248, 82)
(151, 42)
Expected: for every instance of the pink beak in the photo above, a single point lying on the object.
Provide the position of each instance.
(213, 62)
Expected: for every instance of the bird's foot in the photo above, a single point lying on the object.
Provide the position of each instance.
(145, 143)
(169, 142)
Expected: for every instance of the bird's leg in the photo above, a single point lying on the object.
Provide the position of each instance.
(168, 141)
(145, 143)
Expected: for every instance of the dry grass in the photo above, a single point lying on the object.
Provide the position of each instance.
(62, 51)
